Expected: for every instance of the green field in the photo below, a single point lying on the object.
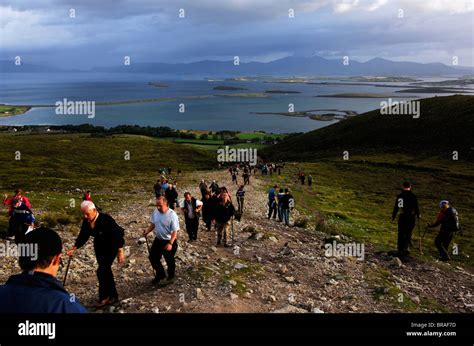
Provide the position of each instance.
(53, 166)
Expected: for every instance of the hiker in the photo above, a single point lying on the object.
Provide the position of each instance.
(208, 206)
(310, 180)
(164, 221)
(272, 203)
(108, 245)
(36, 289)
(449, 221)
(408, 203)
(18, 197)
(203, 188)
(165, 185)
(240, 194)
(214, 187)
(234, 177)
(280, 194)
(191, 208)
(157, 188)
(302, 178)
(87, 196)
(223, 213)
(21, 220)
(246, 177)
(171, 196)
(287, 204)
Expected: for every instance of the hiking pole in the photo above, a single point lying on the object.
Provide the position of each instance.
(148, 248)
(67, 269)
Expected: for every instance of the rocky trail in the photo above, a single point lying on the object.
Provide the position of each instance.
(269, 268)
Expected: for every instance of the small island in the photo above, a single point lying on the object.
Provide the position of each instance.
(243, 95)
(225, 87)
(10, 110)
(282, 92)
(343, 114)
(363, 95)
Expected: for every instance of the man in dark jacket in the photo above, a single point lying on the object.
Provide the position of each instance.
(224, 212)
(37, 290)
(449, 222)
(408, 204)
(108, 245)
(171, 196)
(191, 208)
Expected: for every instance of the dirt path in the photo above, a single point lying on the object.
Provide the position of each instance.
(285, 270)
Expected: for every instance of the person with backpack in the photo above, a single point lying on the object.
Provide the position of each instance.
(22, 220)
(214, 187)
(15, 221)
(279, 204)
(448, 218)
(224, 212)
(272, 203)
(171, 196)
(157, 188)
(108, 245)
(234, 176)
(191, 208)
(36, 289)
(240, 194)
(287, 204)
(407, 202)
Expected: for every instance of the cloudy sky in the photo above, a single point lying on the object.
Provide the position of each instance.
(102, 32)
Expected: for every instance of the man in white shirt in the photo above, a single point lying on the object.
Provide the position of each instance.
(165, 223)
(191, 208)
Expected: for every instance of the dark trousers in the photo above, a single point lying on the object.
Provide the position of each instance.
(240, 202)
(272, 209)
(157, 251)
(406, 223)
(192, 226)
(105, 276)
(442, 243)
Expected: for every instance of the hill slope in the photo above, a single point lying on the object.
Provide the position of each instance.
(445, 123)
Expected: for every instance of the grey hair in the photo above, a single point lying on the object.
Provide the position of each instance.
(87, 205)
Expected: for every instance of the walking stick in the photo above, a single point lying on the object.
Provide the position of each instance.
(67, 269)
(148, 248)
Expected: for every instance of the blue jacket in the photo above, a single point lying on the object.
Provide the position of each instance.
(36, 293)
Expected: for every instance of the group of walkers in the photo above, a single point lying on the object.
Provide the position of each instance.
(302, 178)
(37, 289)
(280, 202)
(407, 204)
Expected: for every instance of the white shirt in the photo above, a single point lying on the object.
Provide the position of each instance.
(165, 223)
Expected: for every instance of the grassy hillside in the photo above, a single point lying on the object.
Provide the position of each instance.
(53, 168)
(445, 124)
(356, 197)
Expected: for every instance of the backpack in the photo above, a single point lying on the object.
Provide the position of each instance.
(455, 220)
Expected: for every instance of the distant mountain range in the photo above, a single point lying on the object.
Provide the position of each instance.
(289, 66)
